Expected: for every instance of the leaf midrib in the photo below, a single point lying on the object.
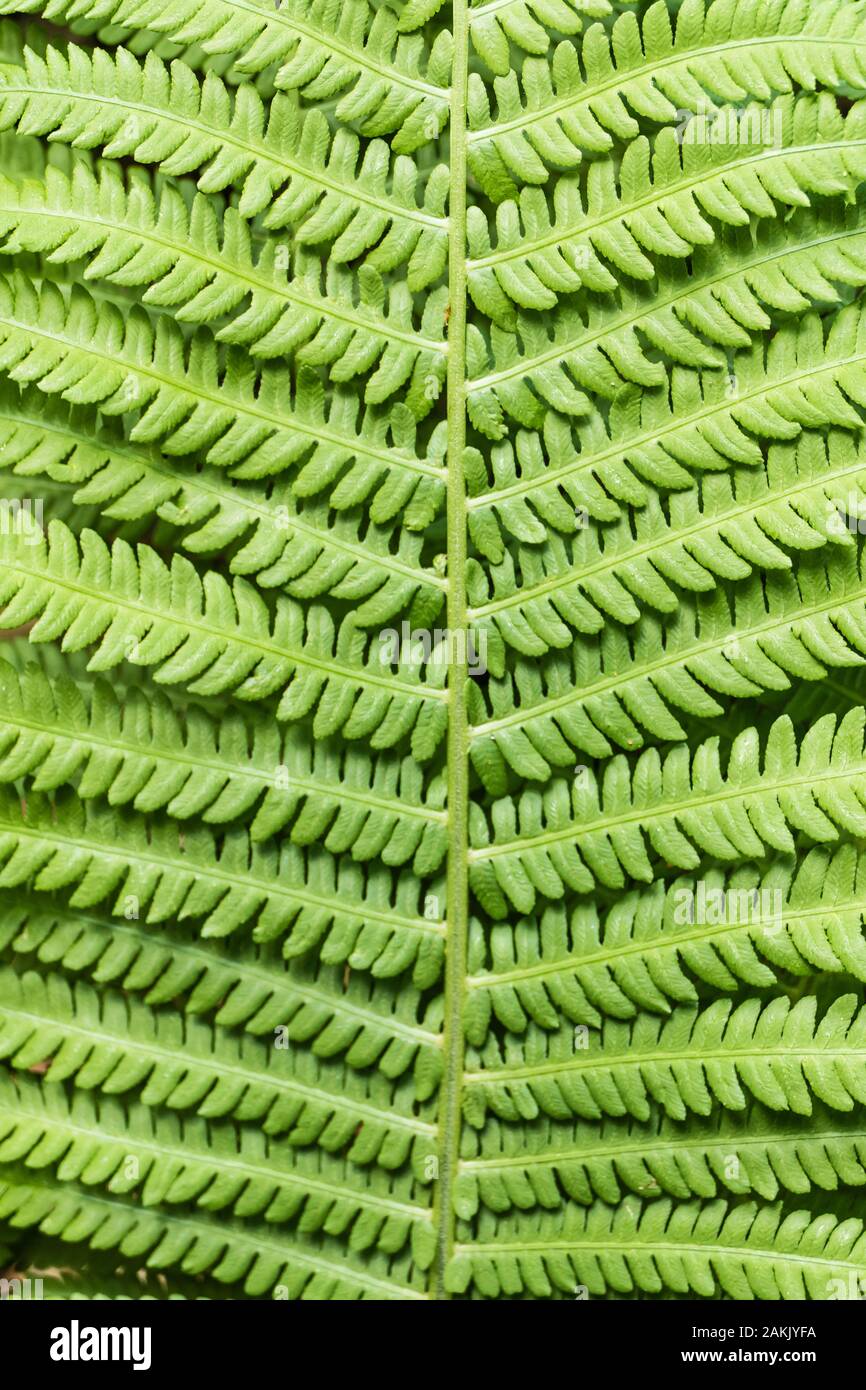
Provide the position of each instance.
(665, 1143)
(573, 965)
(673, 1247)
(811, 1051)
(457, 873)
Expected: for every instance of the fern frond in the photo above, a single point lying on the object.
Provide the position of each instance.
(282, 163)
(186, 1065)
(779, 1054)
(737, 286)
(167, 1160)
(653, 947)
(695, 421)
(204, 269)
(249, 986)
(680, 809)
(658, 66)
(664, 198)
(279, 541)
(444, 427)
(757, 1151)
(536, 598)
(16, 37)
(88, 351)
(801, 624)
(745, 1250)
(256, 1257)
(142, 752)
(212, 636)
(385, 81)
(363, 916)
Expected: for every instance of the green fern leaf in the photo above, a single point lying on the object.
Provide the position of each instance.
(432, 709)
(655, 947)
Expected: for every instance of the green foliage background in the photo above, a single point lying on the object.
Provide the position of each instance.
(432, 452)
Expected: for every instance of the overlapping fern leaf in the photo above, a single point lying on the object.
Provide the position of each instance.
(433, 648)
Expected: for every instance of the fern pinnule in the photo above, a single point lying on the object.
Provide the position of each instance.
(143, 753)
(306, 898)
(204, 267)
(687, 807)
(274, 538)
(194, 399)
(536, 598)
(801, 624)
(253, 1256)
(213, 637)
